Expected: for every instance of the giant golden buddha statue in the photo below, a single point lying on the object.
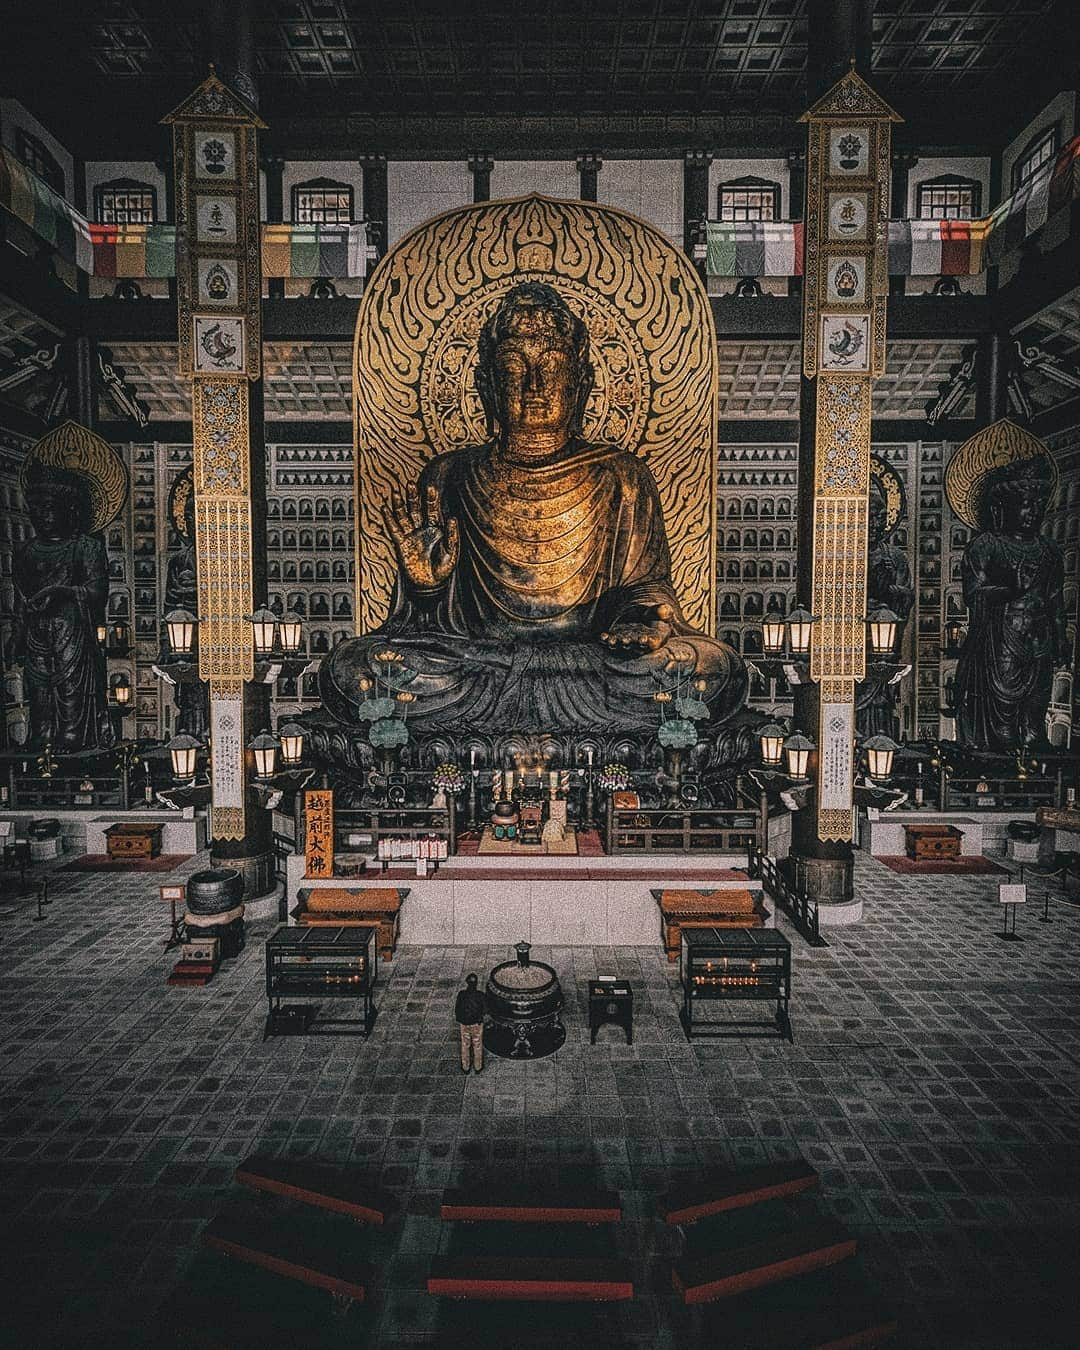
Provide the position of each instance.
(534, 587)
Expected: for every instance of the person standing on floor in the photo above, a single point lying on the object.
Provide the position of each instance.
(469, 1012)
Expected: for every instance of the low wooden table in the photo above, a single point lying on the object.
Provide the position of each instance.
(932, 841)
(131, 839)
(681, 909)
(337, 906)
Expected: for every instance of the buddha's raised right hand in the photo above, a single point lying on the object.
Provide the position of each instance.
(426, 545)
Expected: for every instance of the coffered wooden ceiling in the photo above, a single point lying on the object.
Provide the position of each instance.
(506, 58)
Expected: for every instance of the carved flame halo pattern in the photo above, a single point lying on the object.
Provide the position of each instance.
(81, 451)
(847, 186)
(179, 496)
(652, 341)
(892, 488)
(993, 447)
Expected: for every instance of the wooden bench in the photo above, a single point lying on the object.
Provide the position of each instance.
(716, 1192)
(331, 1188)
(518, 1205)
(287, 1249)
(378, 906)
(829, 1309)
(681, 909)
(534, 1279)
(713, 1275)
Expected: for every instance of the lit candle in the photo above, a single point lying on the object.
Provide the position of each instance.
(472, 759)
(588, 756)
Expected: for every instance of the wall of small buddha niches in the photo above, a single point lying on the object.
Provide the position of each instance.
(309, 564)
(756, 541)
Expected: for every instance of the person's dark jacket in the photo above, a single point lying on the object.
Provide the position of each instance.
(469, 1008)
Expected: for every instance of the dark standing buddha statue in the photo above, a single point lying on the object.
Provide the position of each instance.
(534, 584)
(61, 586)
(1013, 581)
(888, 584)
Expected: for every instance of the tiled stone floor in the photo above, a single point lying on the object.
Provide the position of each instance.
(933, 1082)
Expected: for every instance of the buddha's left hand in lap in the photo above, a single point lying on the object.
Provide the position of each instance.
(635, 639)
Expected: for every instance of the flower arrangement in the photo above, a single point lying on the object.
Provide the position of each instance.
(613, 778)
(448, 778)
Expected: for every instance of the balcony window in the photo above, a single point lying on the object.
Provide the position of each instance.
(1038, 151)
(38, 160)
(322, 202)
(749, 199)
(125, 202)
(949, 198)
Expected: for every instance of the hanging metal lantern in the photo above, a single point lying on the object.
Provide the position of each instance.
(798, 749)
(180, 626)
(771, 737)
(265, 748)
(882, 623)
(800, 627)
(880, 750)
(183, 752)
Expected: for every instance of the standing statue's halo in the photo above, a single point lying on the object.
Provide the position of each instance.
(76, 449)
(975, 466)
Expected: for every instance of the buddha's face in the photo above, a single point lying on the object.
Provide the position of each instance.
(535, 380)
(53, 513)
(1020, 507)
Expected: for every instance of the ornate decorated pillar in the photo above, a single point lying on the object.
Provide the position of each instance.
(219, 276)
(848, 172)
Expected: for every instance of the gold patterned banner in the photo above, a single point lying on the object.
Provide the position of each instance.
(846, 269)
(845, 286)
(218, 234)
(841, 488)
(219, 344)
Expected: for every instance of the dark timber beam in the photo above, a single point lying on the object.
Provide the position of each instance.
(769, 317)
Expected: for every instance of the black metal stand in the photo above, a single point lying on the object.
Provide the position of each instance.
(1008, 932)
(176, 936)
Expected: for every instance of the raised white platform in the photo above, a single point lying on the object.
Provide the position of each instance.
(83, 831)
(984, 832)
(604, 901)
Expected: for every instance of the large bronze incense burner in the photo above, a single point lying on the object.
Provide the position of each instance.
(524, 1002)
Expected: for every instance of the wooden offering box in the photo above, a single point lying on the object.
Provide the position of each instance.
(130, 839)
(932, 841)
(335, 906)
(704, 909)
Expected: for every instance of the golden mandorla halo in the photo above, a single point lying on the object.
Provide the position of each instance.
(892, 489)
(992, 448)
(79, 450)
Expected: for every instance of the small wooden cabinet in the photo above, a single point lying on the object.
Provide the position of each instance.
(130, 839)
(932, 841)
